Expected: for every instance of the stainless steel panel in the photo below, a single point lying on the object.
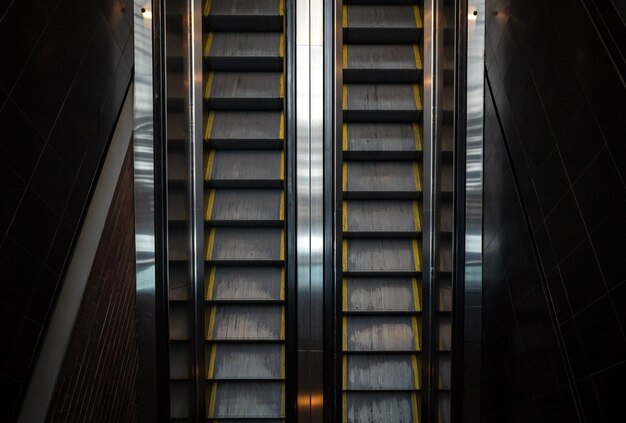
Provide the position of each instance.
(143, 148)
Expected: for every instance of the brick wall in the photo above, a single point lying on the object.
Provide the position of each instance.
(98, 380)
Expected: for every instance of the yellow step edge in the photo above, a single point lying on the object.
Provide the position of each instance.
(211, 284)
(414, 407)
(212, 355)
(344, 255)
(282, 244)
(416, 255)
(282, 401)
(209, 206)
(344, 374)
(344, 295)
(344, 100)
(417, 136)
(209, 126)
(282, 361)
(344, 216)
(344, 137)
(416, 216)
(208, 44)
(281, 47)
(281, 175)
(209, 165)
(281, 128)
(344, 406)
(282, 86)
(417, 176)
(211, 324)
(281, 294)
(281, 210)
(210, 243)
(418, 17)
(209, 85)
(344, 56)
(344, 16)
(414, 366)
(344, 176)
(418, 96)
(416, 295)
(344, 334)
(211, 410)
(416, 333)
(207, 8)
(281, 8)
(282, 324)
(418, 56)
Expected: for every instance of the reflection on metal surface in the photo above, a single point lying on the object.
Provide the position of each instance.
(474, 191)
(145, 245)
(309, 198)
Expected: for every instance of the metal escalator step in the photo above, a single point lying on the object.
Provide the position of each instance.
(245, 169)
(246, 400)
(382, 24)
(244, 15)
(245, 207)
(382, 102)
(256, 51)
(381, 333)
(381, 372)
(376, 256)
(241, 245)
(365, 407)
(236, 283)
(245, 323)
(382, 218)
(375, 141)
(246, 361)
(244, 90)
(381, 180)
(381, 63)
(245, 129)
(381, 294)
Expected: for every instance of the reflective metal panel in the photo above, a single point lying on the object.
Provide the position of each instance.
(474, 193)
(145, 244)
(310, 202)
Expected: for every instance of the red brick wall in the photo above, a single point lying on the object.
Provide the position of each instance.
(98, 380)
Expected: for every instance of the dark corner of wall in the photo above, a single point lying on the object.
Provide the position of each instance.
(554, 217)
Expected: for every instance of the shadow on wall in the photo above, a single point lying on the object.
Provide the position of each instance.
(554, 345)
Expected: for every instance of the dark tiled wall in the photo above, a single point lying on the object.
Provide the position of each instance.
(102, 355)
(555, 218)
(66, 65)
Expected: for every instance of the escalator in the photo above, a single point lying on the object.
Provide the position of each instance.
(244, 144)
(381, 227)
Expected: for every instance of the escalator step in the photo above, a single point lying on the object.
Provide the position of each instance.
(246, 400)
(241, 245)
(244, 15)
(381, 64)
(244, 90)
(246, 361)
(397, 407)
(245, 323)
(381, 140)
(236, 283)
(382, 102)
(382, 24)
(245, 169)
(381, 180)
(381, 333)
(383, 218)
(381, 294)
(245, 129)
(381, 372)
(235, 207)
(257, 51)
(373, 256)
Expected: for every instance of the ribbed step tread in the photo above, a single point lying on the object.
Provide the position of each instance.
(256, 51)
(245, 400)
(236, 283)
(244, 90)
(381, 333)
(248, 207)
(397, 407)
(381, 255)
(381, 63)
(245, 323)
(245, 129)
(230, 245)
(245, 168)
(381, 294)
(246, 361)
(367, 218)
(382, 372)
(381, 138)
(402, 179)
(394, 101)
(382, 24)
